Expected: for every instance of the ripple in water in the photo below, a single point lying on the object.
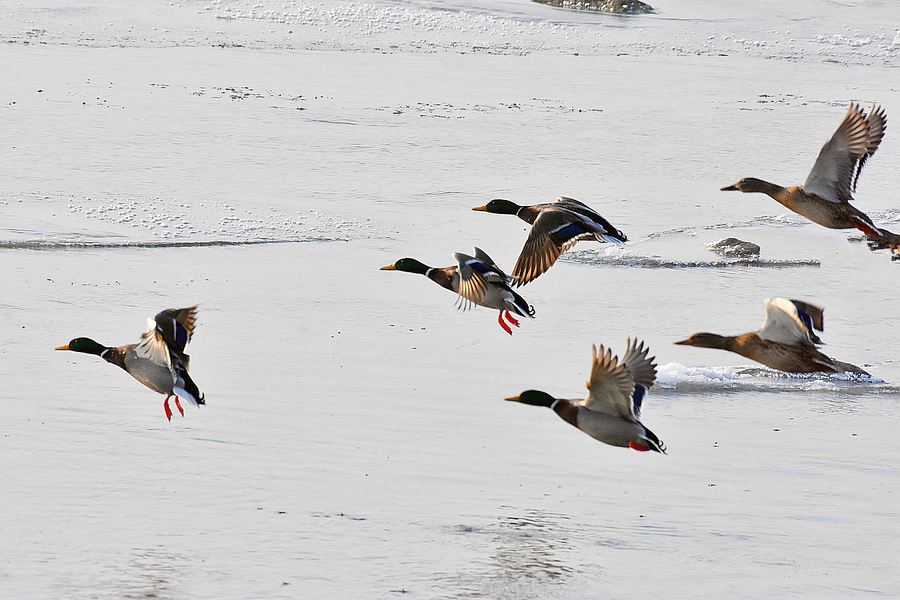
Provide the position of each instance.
(633, 259)
(676, 378)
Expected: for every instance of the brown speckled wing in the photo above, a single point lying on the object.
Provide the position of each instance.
(541, 251)
(832, 175)
(610, 386)
(877, 121)
(642, 369)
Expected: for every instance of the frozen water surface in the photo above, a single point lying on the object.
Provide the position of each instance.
(265, 158)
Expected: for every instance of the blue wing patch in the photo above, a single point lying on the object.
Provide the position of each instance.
(480, 267)
(807, 320)
(565, 233)
(638, 398)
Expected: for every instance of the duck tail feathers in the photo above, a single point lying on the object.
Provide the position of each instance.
(519, 306)
(185, 388)
(654, 442)
(613, 235)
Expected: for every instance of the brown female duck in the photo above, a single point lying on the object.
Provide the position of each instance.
(825, 196)
(785, 342)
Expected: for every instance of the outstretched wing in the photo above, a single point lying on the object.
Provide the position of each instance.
(610, 386)
(601, 228)
(475, 276)
(642, 370)
(153, 346)
(792, 322)
(877, 120)
(556, 229)
(832, 175)
(551, 234)
(167, 335)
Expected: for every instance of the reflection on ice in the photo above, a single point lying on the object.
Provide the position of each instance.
(527, 545)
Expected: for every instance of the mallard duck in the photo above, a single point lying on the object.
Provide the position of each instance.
(825, 196)
(785, 342)
(158, 360)
(611, 412)
(555, 227)
(477, 280)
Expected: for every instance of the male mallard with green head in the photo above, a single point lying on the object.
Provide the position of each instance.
(158, 360)
(555, 227)
(611, 412)
(477, 280)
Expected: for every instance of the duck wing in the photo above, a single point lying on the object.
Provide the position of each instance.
(792, 322)
(167, 335)
(482, 256)
(832, 175)
(545, 242)
(153, 347)
(475, 277)
(642, 369)
(556, 229)
(877, 120)
(177, 326)
(610, 386)
(595, 222)
(547, 239)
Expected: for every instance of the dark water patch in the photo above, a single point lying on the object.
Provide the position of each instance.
(619, 7)
(527, 546)
(85, 245)
(656, 262)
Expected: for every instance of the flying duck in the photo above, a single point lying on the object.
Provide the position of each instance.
(158, 360)
(825, 196)
(786, 341)
(555, 227)
(611, 412)
(477, 280)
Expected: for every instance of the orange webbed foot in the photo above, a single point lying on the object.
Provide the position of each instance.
(167, 409)
(178, 404)
(512, 320)
(503, 323)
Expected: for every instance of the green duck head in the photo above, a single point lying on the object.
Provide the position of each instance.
(410, 265)
(534, 398)
(86, 345)
(500, 207)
